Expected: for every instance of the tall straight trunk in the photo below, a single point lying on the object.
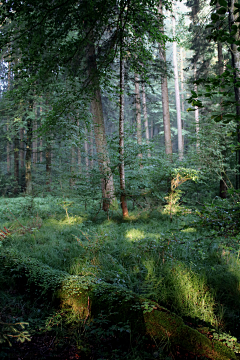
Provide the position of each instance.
(79, 157)
(121, 141)
(145, 117)
(196, 109)
(177, 94)
(28, 160)
(182, 90)
(138, 111)
(92, 148)
(152, 129)
(21, 131)
(73, 154)
(236, 65)
(16, 163)
(164, 88)
(41, 141)
(34, 144)
(86, 151)
(48, 166)
(99, 131)
(8, 143)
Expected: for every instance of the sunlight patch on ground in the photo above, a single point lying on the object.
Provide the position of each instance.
(135, 234)
(189, 230)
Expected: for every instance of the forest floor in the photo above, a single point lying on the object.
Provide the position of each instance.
(189, 265)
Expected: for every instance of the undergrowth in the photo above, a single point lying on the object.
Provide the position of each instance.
(189, 265)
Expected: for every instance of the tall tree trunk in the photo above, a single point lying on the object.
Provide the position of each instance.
(41, 141)
(73, 154)
(28, 160)
(121, 140)
(177, 94)
(16, 162)
(236, 65)
(99, 131)
(145, 117)
(34, 144)
(79, 157)
(22, 145)
(182, 89)
(48, 165)
(138, 111)
(196, 108)
(8, 143)
(86, 152)
(164, 88)
(92, 148)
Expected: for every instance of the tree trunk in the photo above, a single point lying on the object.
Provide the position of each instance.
(72, 181)
(138, 110)
(196, 109)
(236, 65)
(121, 140)
(164, 88)
(34, 145)
(177, 94)
(92, 148)
(48, 166)
(28, 162)
(22, 145)
(182, 90)
(79, 157)
(16, 163)
(145, 117)
(86, 152)
(99, 131)
(8, 143)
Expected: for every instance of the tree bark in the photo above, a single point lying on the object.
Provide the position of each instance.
(121, 141)
(34, 145)
(48, 166)
(164, 88)
(28, 160)
(145, 117)
(16, 163)
(86, 152)
(236, 65)
(196, 109)
(22, 145)
(138, 111)
(8, 143)
(79, 157)
(73, 154)
(99, 131)
(177, 94)
(182, 89)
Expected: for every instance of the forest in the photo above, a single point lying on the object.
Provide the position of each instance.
(120, 179)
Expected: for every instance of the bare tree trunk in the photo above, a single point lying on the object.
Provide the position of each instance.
(86, 152)
(28, 161)
(41, 142)
(151, 129)
(16, 162)
(138, 112)
(145, 117)
(182, 89)
(34, 145)
(196, 108)
(91, 149)
(48, 166)
(177, 94)
(165, 99)
(121, 141)
(79, 157)
(72, 181)
(99, 131)
(236, 65)
(8, 143)
(21, 148)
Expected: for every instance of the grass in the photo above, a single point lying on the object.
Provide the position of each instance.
(187, 268)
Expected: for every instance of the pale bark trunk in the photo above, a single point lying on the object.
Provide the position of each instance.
(99, 131)
(41, 143)
(72, 181)
(196, 109)
(145, 117)
(165, 99)
(28, 161)
(8, 143)
(91, 149)
(16, 162)
(177, 94)
(86, 152)
(138, 112)
(236, 65)
(79, 157)
(121, 141)
(182, 89)
(34, 145)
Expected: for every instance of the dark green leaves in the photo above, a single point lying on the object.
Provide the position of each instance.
(223, 3)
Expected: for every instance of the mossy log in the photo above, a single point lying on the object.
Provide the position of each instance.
(89, 296)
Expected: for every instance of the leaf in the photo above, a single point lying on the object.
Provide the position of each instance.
(223, 3)
(194, 94)
(215, 17)
(222, 11)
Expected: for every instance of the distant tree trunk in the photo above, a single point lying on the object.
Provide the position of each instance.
(34, 145)
(16, 163)
(152, 129)
(236, 65)
(8, 143)
(223, 184)
(73, 154)
(79, 157)
(145, 117)
(121, 140)
(177, 94)
(41, 141)
(138, 112)
(99, 131)
(21, 148)
(48, 165)
(196, 108)
(91, 149)
(182, 90)
(165, 99)
(86, 151)
(28, 161)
